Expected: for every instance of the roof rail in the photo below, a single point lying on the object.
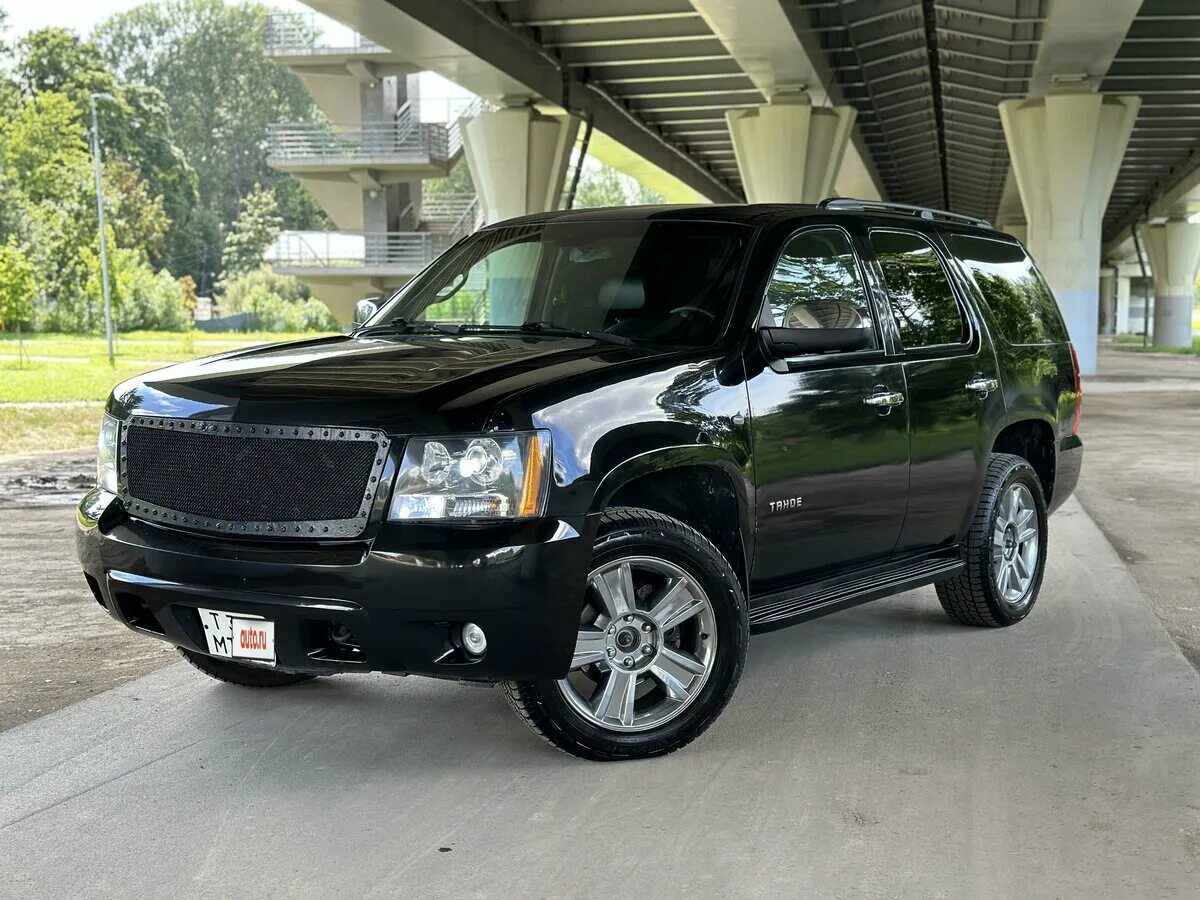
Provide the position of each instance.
(884, 206)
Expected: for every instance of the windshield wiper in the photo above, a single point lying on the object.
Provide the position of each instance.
(400, 325)
(549, 330)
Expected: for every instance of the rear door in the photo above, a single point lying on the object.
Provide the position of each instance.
(830, 431)
(954, 399)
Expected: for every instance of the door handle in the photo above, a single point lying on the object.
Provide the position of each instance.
(883, 400)
(982, 385)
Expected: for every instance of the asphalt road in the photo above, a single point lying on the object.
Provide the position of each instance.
(881, 752)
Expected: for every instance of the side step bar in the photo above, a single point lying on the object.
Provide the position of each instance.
(788, 607)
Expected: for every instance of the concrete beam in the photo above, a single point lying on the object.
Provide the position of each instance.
(469, 44)
(778, 51)
(1080, 37)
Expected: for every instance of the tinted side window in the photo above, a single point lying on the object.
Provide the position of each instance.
(921, 298)
(1012, 288)
(816, 284)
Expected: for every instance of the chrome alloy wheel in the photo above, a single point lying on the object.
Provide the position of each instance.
(646, 645)
(1015, 545)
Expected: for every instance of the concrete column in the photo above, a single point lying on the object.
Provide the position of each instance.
(1121, 325)
(790, 151)
(1019, 230)
(1065, 150)
(518, 160)
(1108, 299)
(1174, 251)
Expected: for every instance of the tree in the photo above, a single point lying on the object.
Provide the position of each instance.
(601, 185)
(206, 57)
(257, 224)
(135, 125)
(18, 283)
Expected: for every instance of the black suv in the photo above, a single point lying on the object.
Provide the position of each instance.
(585, 454)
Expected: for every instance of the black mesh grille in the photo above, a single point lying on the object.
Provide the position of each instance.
(239, 478)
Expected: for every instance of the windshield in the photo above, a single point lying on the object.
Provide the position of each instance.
(664, 282)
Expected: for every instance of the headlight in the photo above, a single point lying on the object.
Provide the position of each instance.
(497, 476)
(106, 453)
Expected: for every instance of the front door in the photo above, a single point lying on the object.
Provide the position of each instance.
(830, 432)
(954, 400)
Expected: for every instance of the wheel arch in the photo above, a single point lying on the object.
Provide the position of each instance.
(1033, 440)
(700, 485)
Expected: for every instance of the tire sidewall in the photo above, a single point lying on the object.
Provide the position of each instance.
(1020, 473)
(701, 562)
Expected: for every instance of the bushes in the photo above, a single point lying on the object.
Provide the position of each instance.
(275, 303)
(142, 299)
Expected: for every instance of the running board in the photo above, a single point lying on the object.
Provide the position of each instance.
(788, 607)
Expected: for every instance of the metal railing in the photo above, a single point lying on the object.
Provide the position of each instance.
(454, 215)
(404, 138)
(403, 251)
(295, 141)
(310, 33)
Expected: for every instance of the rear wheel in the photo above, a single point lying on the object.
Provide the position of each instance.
(239, 673)
(1005, 549)
(661, 643)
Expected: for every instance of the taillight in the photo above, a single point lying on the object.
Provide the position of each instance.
(1078, 390)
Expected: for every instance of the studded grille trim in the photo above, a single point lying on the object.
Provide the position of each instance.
(370, 478)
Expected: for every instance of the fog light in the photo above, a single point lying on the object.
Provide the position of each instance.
(473, 639)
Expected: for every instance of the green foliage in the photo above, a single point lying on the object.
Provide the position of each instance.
(458, 181)
(275, 302)
(256, 226)
(135, 123)
(18, 281)
(141, 297)
(601, 185)
(206, 57)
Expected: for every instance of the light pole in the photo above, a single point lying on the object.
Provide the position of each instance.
(108, 322)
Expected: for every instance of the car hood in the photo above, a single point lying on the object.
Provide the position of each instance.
(408, 383)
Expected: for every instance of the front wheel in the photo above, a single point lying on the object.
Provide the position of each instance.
(239, 673)
(1005, 549)
(661, 644)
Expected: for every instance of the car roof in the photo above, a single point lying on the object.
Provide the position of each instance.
(755, 214)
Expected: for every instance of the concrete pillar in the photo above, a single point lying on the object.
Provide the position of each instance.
(1019, 230)
(1108, 299)
(790, 151)
(1065, 149)
(1121, 323)
(1174, 251)
(518, 160)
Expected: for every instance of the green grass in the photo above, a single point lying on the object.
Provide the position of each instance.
(1133, 343)
(72, 368)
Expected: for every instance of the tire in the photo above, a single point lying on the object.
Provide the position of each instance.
(975, 595)
(240, 674)
(663, 556)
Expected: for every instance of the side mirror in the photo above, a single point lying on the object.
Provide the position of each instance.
(363, 310)
(781, 343)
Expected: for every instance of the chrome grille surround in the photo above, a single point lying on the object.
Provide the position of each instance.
(312, 529)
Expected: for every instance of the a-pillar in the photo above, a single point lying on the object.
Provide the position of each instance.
(1121, 326)
(790, 151)
(1108, 299)
(1065, 150)
(1174, 251)
(518, 160)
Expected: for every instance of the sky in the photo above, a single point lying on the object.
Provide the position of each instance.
(83, 15)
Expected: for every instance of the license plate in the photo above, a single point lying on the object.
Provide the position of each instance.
(239, 636)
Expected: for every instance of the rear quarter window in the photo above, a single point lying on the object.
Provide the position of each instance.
(1012, 288)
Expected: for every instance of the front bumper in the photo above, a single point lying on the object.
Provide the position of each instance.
(402, 594)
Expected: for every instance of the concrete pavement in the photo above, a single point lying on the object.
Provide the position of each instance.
(880, 752)
(1141, 477)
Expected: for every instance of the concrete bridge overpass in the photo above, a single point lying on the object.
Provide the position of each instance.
(1071, 123)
